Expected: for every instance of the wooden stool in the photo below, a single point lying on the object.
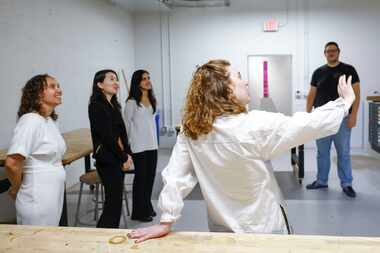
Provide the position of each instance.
(90, 178)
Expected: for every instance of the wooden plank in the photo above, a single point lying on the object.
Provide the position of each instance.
(3, 156)
(20, 239)
(78, 142)
(373, 98)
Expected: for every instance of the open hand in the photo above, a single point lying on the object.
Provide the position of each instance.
(127, 164)
(156, 231)
(345, 89)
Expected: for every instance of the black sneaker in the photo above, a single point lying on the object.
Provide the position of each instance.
(316, 185)
(349, 191)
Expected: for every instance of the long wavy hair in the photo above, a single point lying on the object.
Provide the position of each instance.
(135, 91)
(31, 96)
(208, 97)
(97, 93)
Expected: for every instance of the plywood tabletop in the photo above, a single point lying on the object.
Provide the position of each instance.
(21, 239)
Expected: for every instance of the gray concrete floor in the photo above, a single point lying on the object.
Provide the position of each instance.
(322, 212)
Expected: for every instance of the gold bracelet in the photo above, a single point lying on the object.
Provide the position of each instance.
(117, 239)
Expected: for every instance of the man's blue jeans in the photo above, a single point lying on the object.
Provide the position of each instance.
(342, 145)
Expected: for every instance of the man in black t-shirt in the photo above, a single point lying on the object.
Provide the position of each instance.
(323, 89)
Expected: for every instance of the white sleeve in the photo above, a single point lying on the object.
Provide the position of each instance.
(179, 179)
(129, 111)
(282, 132)
(26, 135)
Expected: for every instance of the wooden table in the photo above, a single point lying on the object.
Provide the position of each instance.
(21, 239)
(79, 145)
(373, 98)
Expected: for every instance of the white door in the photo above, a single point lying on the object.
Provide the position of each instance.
(279, 74)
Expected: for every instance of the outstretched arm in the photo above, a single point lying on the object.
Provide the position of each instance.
(282, 132)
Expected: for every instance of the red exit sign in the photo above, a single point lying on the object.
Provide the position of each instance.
(271, 25)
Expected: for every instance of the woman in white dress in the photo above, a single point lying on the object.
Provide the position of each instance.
(34, 160)
(224, 148)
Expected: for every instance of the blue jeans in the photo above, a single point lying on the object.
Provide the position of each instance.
(342, 145)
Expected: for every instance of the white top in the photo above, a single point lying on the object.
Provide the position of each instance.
(240, 190)
(141, 126)
(40, 198)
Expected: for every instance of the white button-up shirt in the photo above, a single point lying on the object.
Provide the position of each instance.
(240, 190)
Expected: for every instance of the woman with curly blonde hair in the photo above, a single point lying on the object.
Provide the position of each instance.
(34, 161)
(224, 148)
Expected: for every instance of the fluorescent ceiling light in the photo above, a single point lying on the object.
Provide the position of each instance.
(196, 3)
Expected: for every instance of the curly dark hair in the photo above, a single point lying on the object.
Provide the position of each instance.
(31, 96)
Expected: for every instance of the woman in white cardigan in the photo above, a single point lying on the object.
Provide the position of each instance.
(224, 148)
(141, 128)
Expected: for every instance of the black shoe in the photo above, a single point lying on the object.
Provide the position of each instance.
(143, 219)
(153, 214)
(349, 191)
(316, 185)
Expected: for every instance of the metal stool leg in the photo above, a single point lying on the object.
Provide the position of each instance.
(102, 194)
(96, 202)
(126, 201)
(78, 204)
(124, 217)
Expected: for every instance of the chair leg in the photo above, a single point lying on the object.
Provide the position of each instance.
(78, 205)
(126, 201)
(124, 217)
(102, 194)
(101, 202)
(96, 202)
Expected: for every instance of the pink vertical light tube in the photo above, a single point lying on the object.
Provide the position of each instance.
(265, 79)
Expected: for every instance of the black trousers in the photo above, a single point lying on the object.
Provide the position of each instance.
(113, 181)
(145, 172)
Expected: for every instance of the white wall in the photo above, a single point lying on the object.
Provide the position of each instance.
(197, 35)
(70, 40)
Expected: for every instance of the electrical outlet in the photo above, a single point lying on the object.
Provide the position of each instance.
(171, 131)
(163, 130)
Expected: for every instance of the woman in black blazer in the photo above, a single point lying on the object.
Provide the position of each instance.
(110, 142)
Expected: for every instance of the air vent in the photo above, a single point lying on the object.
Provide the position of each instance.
(196, 3)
